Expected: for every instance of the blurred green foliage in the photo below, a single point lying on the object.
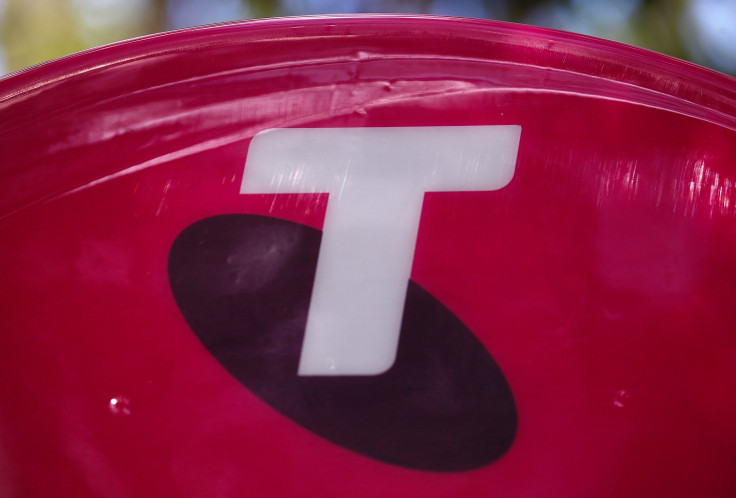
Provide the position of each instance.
(32, 31)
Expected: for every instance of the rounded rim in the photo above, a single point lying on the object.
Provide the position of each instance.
(532, 46)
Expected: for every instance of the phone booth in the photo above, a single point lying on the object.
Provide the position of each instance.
(380, 256)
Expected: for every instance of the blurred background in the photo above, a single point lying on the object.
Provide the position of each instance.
(702, 31)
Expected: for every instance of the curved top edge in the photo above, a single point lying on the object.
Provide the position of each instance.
(543, 47)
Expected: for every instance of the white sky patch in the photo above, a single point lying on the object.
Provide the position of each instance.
(97, 14)
(187, 13)
(713, 24)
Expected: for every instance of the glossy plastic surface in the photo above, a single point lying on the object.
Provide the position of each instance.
(601, 279)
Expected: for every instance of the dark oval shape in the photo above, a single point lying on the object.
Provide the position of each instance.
(243, 283)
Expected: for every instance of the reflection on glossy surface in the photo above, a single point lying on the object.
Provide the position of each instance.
(601, 278)
(621, 398)
(119, 405)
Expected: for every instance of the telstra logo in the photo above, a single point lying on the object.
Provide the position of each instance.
(327, 327)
